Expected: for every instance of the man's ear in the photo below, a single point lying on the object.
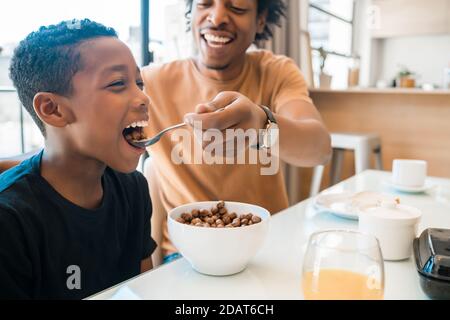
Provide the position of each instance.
(261, 22)
(53, 109)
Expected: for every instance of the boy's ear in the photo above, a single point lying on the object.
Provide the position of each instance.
(261, 21)
(53, 109)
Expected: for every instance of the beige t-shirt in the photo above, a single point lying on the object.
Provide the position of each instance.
(176, 88)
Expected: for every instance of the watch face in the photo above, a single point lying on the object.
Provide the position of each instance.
(270, 136)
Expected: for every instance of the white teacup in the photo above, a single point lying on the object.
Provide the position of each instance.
(409, 173)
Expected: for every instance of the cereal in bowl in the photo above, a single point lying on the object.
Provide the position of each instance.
(217, 217)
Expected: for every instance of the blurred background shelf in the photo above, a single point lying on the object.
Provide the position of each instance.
(382, 91)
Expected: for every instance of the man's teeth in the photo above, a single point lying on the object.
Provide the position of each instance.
(213, 38)
(141, 124)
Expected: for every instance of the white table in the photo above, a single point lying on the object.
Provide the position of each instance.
(275, 272)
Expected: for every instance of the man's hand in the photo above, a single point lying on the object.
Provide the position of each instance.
(228, 110)
(146, 264)
(239, 112)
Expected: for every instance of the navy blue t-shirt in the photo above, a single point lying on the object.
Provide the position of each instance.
(51, 248)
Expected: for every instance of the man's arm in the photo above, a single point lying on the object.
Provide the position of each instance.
(7, 163)
(304, 140)
(146, 264)
(148, 243)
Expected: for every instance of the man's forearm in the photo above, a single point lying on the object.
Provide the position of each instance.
(7, 163)
(303, 143)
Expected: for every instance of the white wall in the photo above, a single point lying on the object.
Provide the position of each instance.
(425, 55)
(362, 41)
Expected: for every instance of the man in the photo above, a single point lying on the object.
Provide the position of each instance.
(224, 76)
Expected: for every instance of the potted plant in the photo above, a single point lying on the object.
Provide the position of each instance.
(324, 79)
(406, 78)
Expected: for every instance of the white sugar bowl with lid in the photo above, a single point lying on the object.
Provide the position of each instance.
(394, 225)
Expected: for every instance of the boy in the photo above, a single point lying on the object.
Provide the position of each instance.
(75, 219)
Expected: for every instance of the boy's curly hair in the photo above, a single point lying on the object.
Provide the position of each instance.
(276, 9)
(47, 59)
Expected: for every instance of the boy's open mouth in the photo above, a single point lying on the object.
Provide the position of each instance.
(135, 132)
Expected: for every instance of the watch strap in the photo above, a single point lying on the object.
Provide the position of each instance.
(269, 114)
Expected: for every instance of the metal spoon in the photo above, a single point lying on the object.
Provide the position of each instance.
(155, 139)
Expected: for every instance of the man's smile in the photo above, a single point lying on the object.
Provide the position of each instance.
(216, 38)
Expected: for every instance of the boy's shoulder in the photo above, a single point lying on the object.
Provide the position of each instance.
(16, 195)
(19, 186)
(16, 179)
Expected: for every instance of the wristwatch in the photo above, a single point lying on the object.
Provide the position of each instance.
(269, 134)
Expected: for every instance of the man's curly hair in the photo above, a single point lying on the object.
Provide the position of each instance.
(47, 59)
(276, 9)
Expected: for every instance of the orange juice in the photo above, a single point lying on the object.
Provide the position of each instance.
(334, 284)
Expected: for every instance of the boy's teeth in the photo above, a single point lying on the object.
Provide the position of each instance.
(141, 124)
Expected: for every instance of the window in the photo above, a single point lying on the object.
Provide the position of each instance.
(169, 39)
(331, 28)
(18, 133)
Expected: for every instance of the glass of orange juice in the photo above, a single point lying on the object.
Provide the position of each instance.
(343, 265)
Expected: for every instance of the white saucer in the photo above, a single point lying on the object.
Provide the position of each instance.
(427, 186)
(347, 204)
(335, 203)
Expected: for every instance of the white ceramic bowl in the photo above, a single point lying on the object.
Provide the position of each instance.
(218, 251)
